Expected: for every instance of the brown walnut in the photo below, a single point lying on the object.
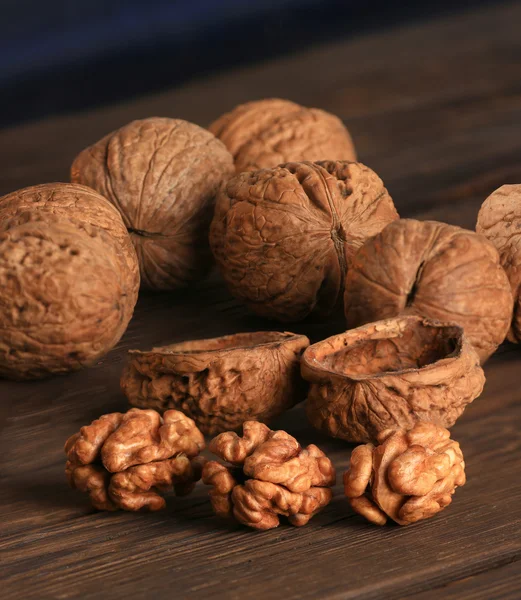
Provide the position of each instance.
(162, 175)
(390, 374)
(436, 271)
(284, 237)
(499, 220)
(410, 476)
(266, 133)
(269, 475)
(124, 461)
(220, 382)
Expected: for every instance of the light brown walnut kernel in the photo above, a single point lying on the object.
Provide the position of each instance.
(265, 133)
(124, 461)
(283, 238)
(220, 382)
(270, 476)
(408, 476)
(390, 374)
(162, 175)
(433, 270)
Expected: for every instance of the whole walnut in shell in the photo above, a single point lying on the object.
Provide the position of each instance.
(162, 175)
(265, 133)
(124, 461)
(269, 475)
(410, 476)
(499, 220)
(220, 382)
(283, 238)
(390, 374)
(433, 270)
(66, 296)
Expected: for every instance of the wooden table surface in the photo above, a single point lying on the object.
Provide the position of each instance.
(435, 109)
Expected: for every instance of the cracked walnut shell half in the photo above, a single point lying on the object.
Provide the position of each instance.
(432, 270)
(268, 475)
(124, 461)
(265, 133)
(220, 382)
(283, 238)
(162, 175)
(409, 476)
(499, 220)
(390, 374)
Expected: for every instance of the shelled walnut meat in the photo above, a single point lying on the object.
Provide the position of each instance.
(268, 475)
(162, 175)
(436, 271)
(499, 220)
(409, 476)
(265, 133)
(390, 374)
(220, 382)
(68, 282)
(125, 461)
(283, 238)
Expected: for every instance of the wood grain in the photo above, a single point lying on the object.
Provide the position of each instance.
(435, 109)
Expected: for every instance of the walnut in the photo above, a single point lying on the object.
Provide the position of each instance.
(266, 133)
(283, 237)
(66, 296)
(269, 475)
(123, 461)
(410, 476)
(162, 175)
(433, 270)
(390, 374)
(220, 382)
(499, 219)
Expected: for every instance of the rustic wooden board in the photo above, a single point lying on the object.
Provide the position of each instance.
(435, 109)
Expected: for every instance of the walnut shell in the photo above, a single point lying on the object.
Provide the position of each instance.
(269, 475)
(436, 271)
(162, 175)
(65, 300)
(283, 237)
(124, 461)
(220, 382)
(499, 220)
(410, 476)
(265, 133)
(390, 374)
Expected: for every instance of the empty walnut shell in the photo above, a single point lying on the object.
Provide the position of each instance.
(269, 475)
(390, 374)
(220, 382)
(283, 238)
(162, 175)
(125, 461)
(499, 219)
(433, 270)
(410, 476)
(265, 133)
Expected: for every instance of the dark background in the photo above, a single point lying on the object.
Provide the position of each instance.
(65, 55)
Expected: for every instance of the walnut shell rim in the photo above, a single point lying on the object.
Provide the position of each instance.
(358, 406)
(219, 382)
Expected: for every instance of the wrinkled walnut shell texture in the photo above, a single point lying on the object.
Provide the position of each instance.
(499, 220)
(220, 382)
(123, 461)
(269, 475)
(436, 271)
(266, 133)
(390, 374)
(283, 237)
(162, 175)
(410, 476)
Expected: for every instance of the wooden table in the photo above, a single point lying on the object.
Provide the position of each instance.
(435, 109)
